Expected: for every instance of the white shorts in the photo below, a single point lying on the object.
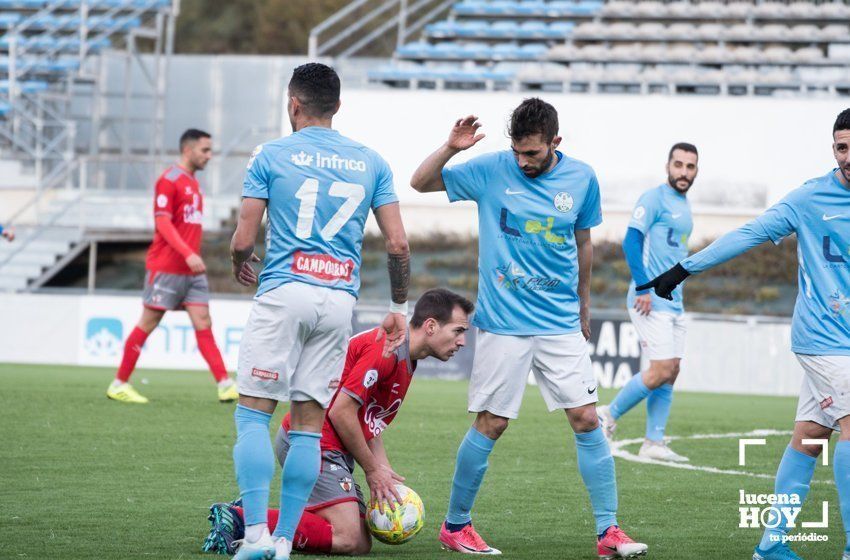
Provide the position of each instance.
(825, 394)
(661, 334)
(295, 342)
(560, 363)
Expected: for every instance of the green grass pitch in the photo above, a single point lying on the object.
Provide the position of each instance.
(84, 477)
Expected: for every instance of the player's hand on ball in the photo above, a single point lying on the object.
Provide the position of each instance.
(382, 481)
(245, 273)
(666, 282)
(196, 264)
(464, 133)
(643, 304)
(393, 330)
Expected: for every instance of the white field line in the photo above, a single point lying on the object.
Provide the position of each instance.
(618, 450)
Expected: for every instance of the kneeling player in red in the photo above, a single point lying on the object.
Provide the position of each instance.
(369, 396)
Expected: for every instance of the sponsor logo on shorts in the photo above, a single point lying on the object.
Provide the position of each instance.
(334, 384)
(334, 467)
(323, 267)
(346, 484)
(592, 390)
(264, 374)
(826, 403)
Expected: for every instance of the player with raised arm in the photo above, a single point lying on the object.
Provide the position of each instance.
(535, 209)
(656, 239)
(371, 391)
(818, 212)
(176, 274)
(318, 187)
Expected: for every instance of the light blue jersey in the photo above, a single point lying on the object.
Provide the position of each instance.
(663, 216)
(819, 213)
(527, 263)
(319, 186)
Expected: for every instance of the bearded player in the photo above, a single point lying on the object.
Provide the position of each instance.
(176, 274)
(536, 206)
(657, 238)
(371, 391)
(818, 212)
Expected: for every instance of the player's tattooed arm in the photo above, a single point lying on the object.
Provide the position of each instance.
(399, 267)
(585, 266)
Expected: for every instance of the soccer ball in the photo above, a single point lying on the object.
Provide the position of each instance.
(401, 525)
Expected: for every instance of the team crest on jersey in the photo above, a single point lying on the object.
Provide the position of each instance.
(301, 159)
(639, 213)
(563, 202)
(162, 201)
(254, 155)
(370, 378)
(346, 484)
(323, 267)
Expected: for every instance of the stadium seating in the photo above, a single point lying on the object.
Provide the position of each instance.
(773, 38)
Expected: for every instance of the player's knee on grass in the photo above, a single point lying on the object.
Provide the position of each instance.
(809, 430)
(583, 419)
(352, 541)
(491, 425)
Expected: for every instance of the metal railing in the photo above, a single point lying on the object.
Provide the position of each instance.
(406, 19)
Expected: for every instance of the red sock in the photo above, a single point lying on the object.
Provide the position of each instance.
(209, 350)
(314, 534)
(132, 349)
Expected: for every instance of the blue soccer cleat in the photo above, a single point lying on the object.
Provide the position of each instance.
(226, 528)
(779, 551)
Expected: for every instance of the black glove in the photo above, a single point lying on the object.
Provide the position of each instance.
(666, 282)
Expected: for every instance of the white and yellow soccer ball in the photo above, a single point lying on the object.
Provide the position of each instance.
(401, 525)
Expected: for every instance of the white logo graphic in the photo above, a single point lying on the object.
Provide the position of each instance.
(301, 159)
(640, 212)
(162, 201)
(375, 414)
(828, 218)
(370, 378)
(563, 202)
(675, 216)
(508, 191)
(254, 155)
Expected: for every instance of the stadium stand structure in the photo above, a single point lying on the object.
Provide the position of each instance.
(51, 53)
(736, 47)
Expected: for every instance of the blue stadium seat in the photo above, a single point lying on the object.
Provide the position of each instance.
(473, 28)
(21, 4)
(419, 49)
(506, 51)
(446, 50)
(7, 20)
(26, 87)
(532, 52)
(530, 7)
(560, 29)
(4, 108)
(504, 29)
(532, 30)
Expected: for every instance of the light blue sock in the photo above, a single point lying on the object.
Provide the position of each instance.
(792, 477)
(300, 472)
(632, 393)
(469, 472)
(253, 459)
(841, 468)
(658, 405)
(596, 466)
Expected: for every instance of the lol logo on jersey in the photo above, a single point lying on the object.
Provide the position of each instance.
(772, 511)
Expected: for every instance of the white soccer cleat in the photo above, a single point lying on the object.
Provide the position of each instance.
(659, 451)
(261, 549)
(606, 420)
(283, 548)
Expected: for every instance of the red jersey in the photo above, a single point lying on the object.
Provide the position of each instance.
(178, 196)
(379, 384)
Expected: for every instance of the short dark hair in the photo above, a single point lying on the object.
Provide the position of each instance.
(684, 146)
(842, 122)
(192, 135)
(317, 88)
(533, 116)
(439, 304)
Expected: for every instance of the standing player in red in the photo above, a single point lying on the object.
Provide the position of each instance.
(175, 277)
(369, 396)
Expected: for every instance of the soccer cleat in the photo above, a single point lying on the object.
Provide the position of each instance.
(228, 394)
(616, 544)
(779, 551)
(226, 528)
(659, 451)
(845, 556)
(263, 549)
(125, 393)
(283, 548)
(465, 541)
(606, 419)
